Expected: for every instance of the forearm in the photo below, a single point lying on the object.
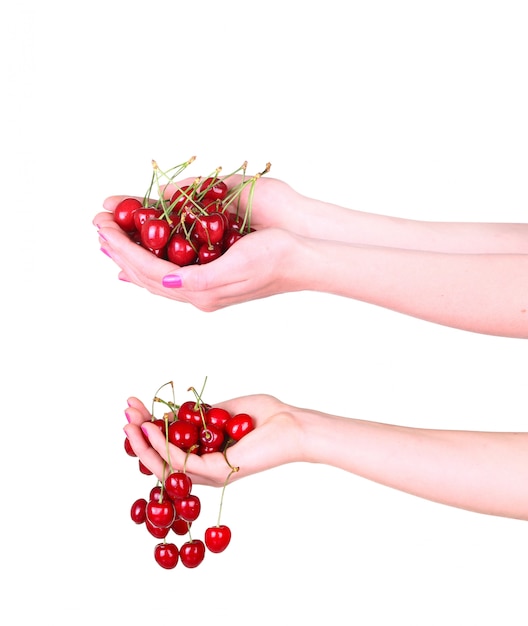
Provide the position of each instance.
(486, 293)
(328, 221)
(478, 471)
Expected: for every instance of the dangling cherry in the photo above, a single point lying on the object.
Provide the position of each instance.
(192, 553)
(178, 485)
(217, 538)
(188, 508)
(138, 511)
(166, 555)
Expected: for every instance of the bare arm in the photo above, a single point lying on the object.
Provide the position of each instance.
(483, 472)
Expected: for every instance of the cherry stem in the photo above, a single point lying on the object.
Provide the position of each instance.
(199, 404)
(233, 470)
(156, 399)
(188, 453)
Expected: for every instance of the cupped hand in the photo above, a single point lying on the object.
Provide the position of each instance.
(260, 264)
(275, 441)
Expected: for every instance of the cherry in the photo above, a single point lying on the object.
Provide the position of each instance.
(156, 531)
(142, 214)
(143, 468)
(128, 448)
(217, 538)
(124, 213)
(161, 513)
(213, 189)
(155, 233)
(188, 508)
(209, 252)
(184, 435)
(181, 251)
(180, 526)
(156, 493)
(212, 437)
(239, 425)
(190, 411)
(138, 511)
(181, 197)
(210, 228)
(166, 555)
(216, 416)
(231, 237)
(192, 553)
(160, 423)
(178, 485)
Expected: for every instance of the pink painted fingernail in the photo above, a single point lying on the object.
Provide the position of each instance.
(106, 252)
(127, 416)
(125, 280)
(172, 280)
(144, 431)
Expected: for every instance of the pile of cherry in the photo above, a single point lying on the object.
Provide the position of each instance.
(192, 223)
(171, 507)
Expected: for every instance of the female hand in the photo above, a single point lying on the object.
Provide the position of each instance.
(485, 472)
(273, 442)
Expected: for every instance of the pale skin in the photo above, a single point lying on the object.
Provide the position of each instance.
(483, 472)
(471, 276)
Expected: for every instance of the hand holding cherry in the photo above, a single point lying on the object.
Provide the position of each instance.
(186, 228)
(187, 432)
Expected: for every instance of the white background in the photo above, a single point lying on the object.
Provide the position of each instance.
(415, 109)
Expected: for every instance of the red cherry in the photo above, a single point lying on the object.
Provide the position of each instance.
(155, 531)
(189, 411)
(178, 485)
(210, 228)
(184, 435)
(217, 538)
(155, 233)
(212, 437)
(138, 511)
(180, 250)
(166, 555)
(231, 236)
(188, 508)
(124, 214)
(156, 493)
(143, 468)
(128, 448)
(180, 526)
(160, 423)
(143, 214)
(208, 253)
(192, 553)
(213, 189)
(161, 513)
(239, 425)
(216, 416)
(180, 197)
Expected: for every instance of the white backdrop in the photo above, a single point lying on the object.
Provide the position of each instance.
(416, 109)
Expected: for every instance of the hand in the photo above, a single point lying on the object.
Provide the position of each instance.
(260, 264)
(254, 268)
(274, 442)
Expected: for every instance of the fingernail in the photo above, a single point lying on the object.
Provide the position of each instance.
(172, 280)
(106, 252)
(125, 280)
(144, 431)
(127, 416)
(102, 236)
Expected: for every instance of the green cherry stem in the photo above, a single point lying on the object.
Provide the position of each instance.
(233, 470)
